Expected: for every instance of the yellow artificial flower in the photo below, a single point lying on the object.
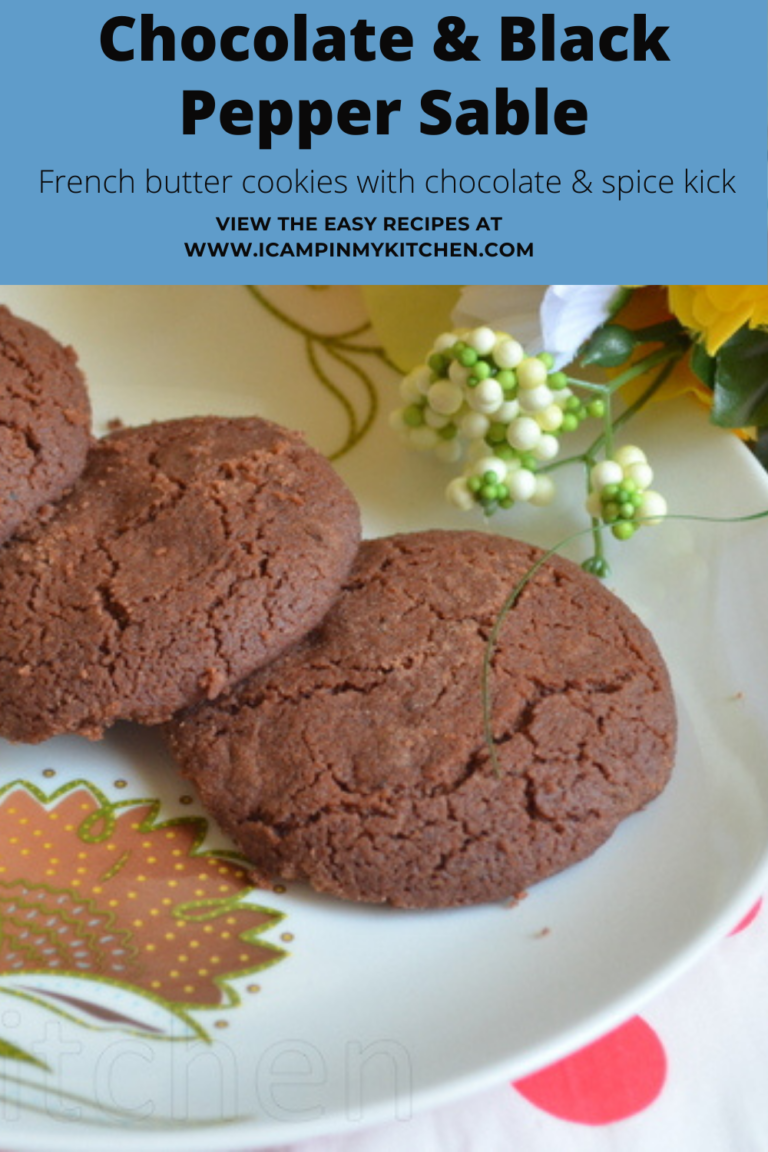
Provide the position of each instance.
(645, 307)
(716, 311)
(652, 305)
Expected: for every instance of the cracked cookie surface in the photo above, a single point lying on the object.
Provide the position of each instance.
(357, 761)
(188, 554)
(45, 420)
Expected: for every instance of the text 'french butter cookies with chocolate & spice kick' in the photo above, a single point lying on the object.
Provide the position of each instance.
(45, 420)
(189, 553)
(358, 761)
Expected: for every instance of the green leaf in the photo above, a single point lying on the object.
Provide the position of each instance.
(761, 448)
(741, 380)
(9, 1051)
(703, 365)
(141, 1013)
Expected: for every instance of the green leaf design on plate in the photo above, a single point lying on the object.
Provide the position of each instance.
(333, 360)
(10, 1051)
(741, 380)
(88, 1003)
(115, 917)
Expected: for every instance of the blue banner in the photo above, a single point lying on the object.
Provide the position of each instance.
(347, 142)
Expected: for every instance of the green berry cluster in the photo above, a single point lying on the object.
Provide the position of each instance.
(480, 395)
(620, 506)
(490, 492)
(621, 495)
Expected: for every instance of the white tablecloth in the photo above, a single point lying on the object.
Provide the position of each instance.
(688, 1072)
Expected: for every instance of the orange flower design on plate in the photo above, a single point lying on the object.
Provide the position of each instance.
(105, 892)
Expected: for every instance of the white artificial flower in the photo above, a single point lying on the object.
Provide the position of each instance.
(556, 318)
(570, 313)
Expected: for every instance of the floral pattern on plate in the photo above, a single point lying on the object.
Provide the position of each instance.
(116, 917)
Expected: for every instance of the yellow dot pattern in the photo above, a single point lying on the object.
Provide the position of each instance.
(162, 916)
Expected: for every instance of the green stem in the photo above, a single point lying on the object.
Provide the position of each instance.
(551, 467)
(518, 589)
(588, 456)
(493, 637)
(665, 331)
(597, 539)
(608, 426)
(661, 355)
(588, 385)
(596, 525)
(642, 399)
(669, 352)
(645, 396)
(605, 440)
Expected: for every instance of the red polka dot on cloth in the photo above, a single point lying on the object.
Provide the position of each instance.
(747, 920)
(612, 1079)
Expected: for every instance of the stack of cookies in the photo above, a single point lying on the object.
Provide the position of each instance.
(327, 698)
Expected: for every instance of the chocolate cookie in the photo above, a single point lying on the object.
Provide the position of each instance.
(45, 420)
(358, 761)
(187, 555)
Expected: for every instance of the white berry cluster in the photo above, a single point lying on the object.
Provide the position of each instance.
(481, 398)
(621, 493)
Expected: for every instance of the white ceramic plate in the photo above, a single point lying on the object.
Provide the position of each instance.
(370, 1013)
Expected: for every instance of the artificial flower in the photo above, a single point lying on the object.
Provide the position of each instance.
(646, 307)
(715, 312)
(649, 306)
(555, 317)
